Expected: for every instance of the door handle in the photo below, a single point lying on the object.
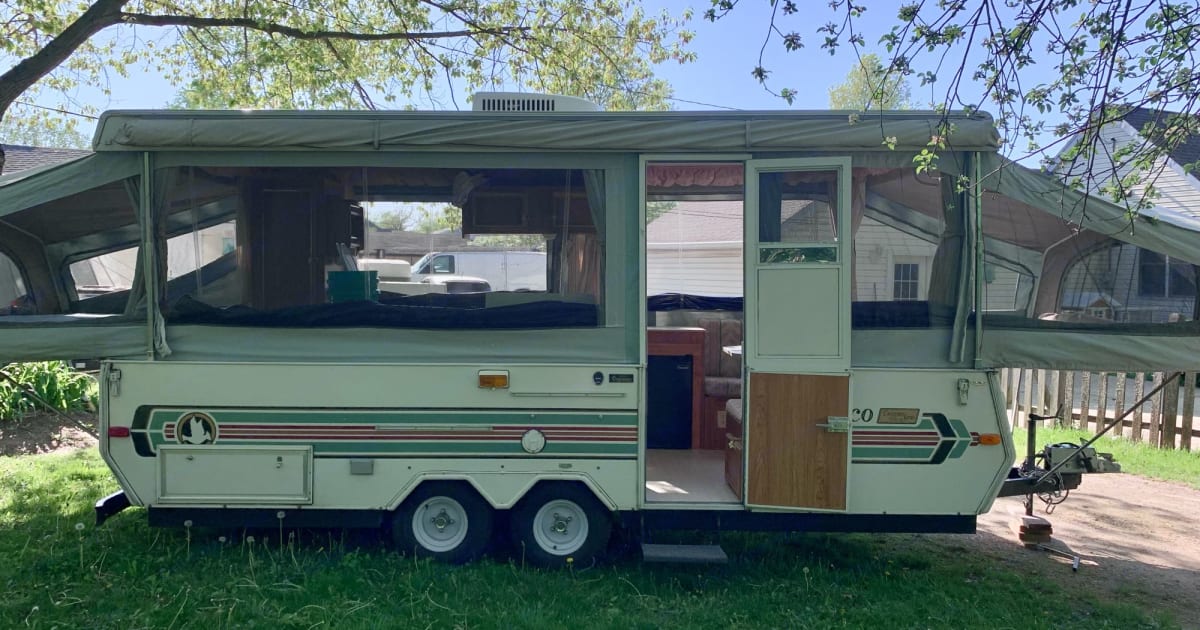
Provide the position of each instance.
(836, 424)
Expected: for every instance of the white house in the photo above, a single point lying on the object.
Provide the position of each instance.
(696, 248)
(1138, 285)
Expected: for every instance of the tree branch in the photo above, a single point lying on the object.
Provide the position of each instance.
(192, 21)
(22, 76)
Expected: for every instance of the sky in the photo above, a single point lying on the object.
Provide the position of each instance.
(726, 52)
(720, 78)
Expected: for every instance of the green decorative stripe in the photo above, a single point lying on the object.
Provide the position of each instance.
(890, 452)
(160, 417)
(495, 433)
(940, 438)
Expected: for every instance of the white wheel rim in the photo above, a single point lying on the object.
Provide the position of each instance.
(440, 524)
(560, 527)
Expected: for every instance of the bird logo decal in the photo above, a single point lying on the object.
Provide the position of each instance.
(196, 428)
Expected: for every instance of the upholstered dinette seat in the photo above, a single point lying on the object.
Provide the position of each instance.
(722, 374)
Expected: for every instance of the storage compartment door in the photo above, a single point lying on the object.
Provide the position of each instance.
(233, 474)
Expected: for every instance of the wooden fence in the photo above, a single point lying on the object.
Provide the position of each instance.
(1092, 400)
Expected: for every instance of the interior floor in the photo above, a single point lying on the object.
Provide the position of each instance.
(687, 476)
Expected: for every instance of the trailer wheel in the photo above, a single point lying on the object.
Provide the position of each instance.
(560, 524)
(446, 521)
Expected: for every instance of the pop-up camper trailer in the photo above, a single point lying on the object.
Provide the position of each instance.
(851, 387)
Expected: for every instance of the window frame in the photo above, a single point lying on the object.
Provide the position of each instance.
(1160, 260)
(914, 282)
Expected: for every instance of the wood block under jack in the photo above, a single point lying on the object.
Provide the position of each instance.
(1032, 530)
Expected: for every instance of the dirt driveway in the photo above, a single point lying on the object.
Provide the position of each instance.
(1139, 540)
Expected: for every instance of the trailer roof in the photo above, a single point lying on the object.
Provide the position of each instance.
(137, 130)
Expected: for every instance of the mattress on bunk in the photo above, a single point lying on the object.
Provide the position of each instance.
(437, 311)
(1020, 322)
(67, 318)
(900, 314)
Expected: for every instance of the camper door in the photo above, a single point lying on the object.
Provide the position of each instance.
(797, 343)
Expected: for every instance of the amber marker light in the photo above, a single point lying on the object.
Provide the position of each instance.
(989, 439)
(493, 379)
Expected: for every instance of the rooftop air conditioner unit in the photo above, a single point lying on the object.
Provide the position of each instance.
(537, 103)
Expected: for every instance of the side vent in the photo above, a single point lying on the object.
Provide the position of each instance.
(533, 103)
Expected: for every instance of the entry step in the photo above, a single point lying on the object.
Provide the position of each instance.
(684, 554)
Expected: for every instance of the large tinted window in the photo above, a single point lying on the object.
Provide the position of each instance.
(404, 247)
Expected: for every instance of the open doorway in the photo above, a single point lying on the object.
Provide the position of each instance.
(695, 218)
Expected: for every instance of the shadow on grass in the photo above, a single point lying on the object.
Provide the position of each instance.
(61, 571)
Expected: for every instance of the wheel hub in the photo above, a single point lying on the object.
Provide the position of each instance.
(442, 520)
(560, 527)
(440, 524)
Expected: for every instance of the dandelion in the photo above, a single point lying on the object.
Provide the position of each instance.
(250, 539)
(221, 539)
(79, 527)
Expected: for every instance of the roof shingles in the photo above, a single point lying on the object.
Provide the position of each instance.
(19, 157)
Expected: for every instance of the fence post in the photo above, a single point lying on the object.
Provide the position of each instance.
(1139, 390)
(1170, 410)
(1085, 400)
(1189, 407)
(1102, 402)
(1004, 384)
(1068, 419)
(1054, 389)
(1039, 394)
(1014, 389)
(1027, 392)
(1156, 412)
(1119, 407)
(1014, 403)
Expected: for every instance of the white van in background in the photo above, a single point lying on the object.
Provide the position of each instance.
(504, 270)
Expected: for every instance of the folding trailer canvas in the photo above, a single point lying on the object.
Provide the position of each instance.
(841, 376)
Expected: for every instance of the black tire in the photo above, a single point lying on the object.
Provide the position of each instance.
(560, 524)
(455, 522)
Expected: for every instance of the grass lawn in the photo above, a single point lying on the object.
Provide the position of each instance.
(58, 571)
(1134, 457)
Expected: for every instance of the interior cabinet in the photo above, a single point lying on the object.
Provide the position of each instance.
(734, 469)
(526, 211)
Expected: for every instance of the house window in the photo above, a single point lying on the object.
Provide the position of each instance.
(906, 281)
(1159, 276)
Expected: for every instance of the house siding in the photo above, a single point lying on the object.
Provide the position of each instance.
(1178, 199)
(713, 271)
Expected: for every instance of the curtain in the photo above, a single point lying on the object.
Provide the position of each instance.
(858, 209)
(948, 259)
(137, 289)
(770, 202)
(161, 193)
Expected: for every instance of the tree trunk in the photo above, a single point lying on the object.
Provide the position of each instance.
(17, 79)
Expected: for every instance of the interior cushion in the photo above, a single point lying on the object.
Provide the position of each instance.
(731, 335)
(722, 387)
(712, 345)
